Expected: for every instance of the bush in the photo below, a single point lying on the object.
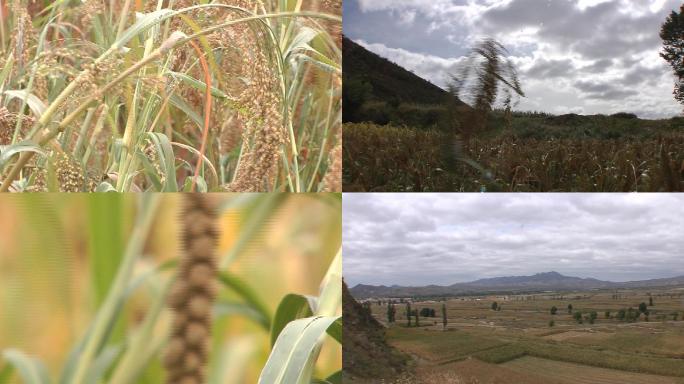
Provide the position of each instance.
(624, 115)
(578, 317)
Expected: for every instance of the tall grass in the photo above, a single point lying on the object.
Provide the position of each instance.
(169, 95)
(274, 333)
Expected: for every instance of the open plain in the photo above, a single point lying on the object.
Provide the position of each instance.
(522, 342)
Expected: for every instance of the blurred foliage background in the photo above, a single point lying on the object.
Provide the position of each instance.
(59, 254)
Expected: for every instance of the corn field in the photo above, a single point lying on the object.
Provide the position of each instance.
(386, 158)
(170, 95)
(154, 288)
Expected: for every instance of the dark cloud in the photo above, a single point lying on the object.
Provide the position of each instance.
(639, 75)
(598, 66)
(604, 90)
(554, 43)
(447, 238)
(547, 69)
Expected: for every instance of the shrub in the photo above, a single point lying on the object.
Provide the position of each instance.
(578, 317)
(624, 115)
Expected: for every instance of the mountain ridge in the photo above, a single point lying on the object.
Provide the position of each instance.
(540, 281)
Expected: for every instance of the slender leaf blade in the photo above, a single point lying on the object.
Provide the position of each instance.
(293, 306)
(295, 350)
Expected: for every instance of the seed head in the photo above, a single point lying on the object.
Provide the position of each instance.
(193, 293)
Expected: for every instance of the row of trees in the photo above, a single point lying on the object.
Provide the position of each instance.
(425, 312)
(629, 314)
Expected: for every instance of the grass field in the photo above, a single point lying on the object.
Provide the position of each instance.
(519, 335)
(581, 374)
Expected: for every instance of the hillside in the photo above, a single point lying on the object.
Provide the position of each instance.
(552, 281)
(389, 81)
(378, 90)
(366, 353)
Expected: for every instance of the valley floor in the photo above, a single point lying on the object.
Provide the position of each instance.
(516, 345)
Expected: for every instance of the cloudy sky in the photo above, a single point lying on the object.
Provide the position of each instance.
(582, 56)
(420, 239)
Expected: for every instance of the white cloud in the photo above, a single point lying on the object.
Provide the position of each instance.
(430, 67)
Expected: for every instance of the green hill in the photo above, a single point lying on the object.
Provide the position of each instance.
(380, 91)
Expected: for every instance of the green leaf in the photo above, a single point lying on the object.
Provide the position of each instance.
(7, 68)
(247, 294)
(105, 228)
(6, 374)
(205, 162)
(144, 22)
(7, 151)
(291, 307)
(335, 330)
(227, 308)
(31, 370)
(180, 103)
(200, 185)
(335, 378)
(257, 216)
(102, 363)
(199, 85)
(105, 187)
(108, 313)
(301, 41)
(34, 103)
(295, 351)
(330, 297)
(167, 160)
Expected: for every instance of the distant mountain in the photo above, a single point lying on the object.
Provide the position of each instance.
(541, 280)
(547, 281)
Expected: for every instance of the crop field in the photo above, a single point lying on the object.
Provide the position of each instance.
(524, 338)
(405, 159)
(581, 374)
(170, 95)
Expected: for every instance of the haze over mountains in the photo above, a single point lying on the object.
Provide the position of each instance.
(547, 281)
